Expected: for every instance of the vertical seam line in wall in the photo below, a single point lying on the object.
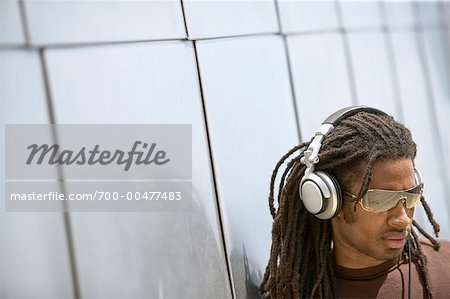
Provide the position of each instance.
(445, 34)
(291, 83)
(347, 53)
(278, 14)
(24, 21)
(446, 12)
(419, 34)
(391, 60)
(183, 11)
(211, 158)
(66, 215)
(288, 61)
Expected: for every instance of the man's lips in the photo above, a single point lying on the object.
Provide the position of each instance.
(395, 239)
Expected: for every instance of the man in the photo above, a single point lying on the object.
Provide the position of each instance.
(344, 227)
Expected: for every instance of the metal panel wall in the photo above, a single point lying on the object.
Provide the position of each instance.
(360, 15)
(252, 124)
(34, 255)
(103, 21)
(302, 16)
(329, 54)
(435, 43)
(399, 14)
(142, 255)
(321, 85)
(219, 18)
(428, 13)
(373, 77)
(11, 32)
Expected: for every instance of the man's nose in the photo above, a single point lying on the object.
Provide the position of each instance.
(399, 216)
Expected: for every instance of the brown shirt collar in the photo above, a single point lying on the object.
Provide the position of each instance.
(367, 273)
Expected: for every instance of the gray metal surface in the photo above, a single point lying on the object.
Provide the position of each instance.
(34, 255)
(142, 255)
(320, 78)
(303, 16)
(373, 77)
(219, 18)
(251, 117)
(399, 14)
(103, 21)
(360, 15)
(252, 124)
(11, 32)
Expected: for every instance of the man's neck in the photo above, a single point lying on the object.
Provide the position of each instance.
(349, 258)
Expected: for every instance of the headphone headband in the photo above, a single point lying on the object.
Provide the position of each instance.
(335, 118)
(311, 156)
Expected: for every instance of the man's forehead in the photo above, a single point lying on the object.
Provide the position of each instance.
(395, 174)
(383, 170)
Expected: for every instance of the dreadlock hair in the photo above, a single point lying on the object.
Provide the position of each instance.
(300, 263)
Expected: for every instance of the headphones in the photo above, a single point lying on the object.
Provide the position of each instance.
(319, 190)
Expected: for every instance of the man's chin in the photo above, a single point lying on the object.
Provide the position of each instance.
(392, 253)
(385, 254)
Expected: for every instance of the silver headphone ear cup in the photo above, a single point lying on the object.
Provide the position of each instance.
(311, 193)
(338, 193)
(334, 200)
(321, 195)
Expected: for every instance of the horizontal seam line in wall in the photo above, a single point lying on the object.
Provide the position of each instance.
(89, 44)
(299, 33)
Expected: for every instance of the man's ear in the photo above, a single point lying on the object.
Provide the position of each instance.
(339, 217)
(341, 214)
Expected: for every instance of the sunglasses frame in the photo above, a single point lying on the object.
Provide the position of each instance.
(401, 197)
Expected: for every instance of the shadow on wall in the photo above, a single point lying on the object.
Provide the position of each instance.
(253, 277)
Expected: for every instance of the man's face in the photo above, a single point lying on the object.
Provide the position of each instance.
(364, 239)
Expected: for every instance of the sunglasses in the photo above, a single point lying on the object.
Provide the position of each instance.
(378, 200)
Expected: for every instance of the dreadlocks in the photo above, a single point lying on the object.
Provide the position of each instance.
(300, 263)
